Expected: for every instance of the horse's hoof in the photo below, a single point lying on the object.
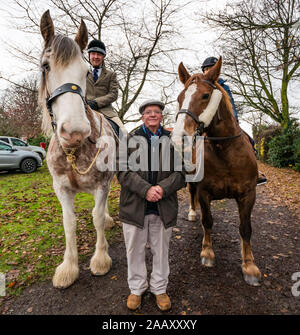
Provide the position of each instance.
(251, 280)
(60, 287)
(65, 276)
(207, 262)
(191, 217)
(100, 266)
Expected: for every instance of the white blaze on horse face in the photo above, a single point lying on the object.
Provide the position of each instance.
(178, 130)
(68, 108)
(209, 112)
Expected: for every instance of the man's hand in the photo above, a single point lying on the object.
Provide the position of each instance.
(93, 104)
(154, 194)
(159, 190)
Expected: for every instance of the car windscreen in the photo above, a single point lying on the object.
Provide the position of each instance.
(5, 139)
(18, 142)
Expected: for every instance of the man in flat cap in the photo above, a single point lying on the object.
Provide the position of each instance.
(148, 209)
(102, 85)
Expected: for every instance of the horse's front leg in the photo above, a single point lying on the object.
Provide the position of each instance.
(109, 221)
(207, 254)
(100, 262)
(250, 271)
(192, 209)
(67, 272)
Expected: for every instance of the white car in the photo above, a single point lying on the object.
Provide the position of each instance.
(21, 145)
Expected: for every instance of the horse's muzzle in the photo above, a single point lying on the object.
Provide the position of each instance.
(73, 139)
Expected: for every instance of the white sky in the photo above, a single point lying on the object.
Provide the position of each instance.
(195, 36)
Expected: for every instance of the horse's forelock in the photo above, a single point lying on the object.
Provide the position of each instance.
(64, 50)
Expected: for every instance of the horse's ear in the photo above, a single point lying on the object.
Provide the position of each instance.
(47, 27)
(82, 36)
(183, 74)
(214, 72)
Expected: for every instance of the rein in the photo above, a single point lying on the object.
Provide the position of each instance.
(71, 158)
(222, 138)
(71, 88)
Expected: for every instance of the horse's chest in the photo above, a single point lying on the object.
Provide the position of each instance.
(64, 175)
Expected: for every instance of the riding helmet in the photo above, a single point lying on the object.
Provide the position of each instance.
(210, 61)
(97, 46)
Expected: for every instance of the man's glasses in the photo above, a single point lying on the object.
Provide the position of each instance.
(149, 112)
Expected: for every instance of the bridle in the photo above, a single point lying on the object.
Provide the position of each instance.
(68, 87)
(71, 88)
(200, 125)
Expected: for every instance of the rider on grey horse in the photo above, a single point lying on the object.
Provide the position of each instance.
(102, 85)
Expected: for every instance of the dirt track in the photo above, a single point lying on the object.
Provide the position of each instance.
(193, 288)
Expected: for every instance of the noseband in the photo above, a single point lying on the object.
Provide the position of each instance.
(200, 125)
(65, 88)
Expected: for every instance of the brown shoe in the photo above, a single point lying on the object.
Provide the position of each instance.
(134, 301)
(163, 302)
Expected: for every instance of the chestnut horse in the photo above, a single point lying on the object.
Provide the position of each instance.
(76, 155)
(230, 168)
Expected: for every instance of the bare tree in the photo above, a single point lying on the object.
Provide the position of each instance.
(261, 44)
(20, 114)
(138, 36)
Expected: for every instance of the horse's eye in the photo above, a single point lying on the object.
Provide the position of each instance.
(205, 96)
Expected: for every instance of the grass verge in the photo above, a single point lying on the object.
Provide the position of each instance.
(32, 240)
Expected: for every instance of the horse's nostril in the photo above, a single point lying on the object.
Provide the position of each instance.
(64, 131)
(74, 137)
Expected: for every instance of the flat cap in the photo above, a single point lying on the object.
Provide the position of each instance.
(150, 103)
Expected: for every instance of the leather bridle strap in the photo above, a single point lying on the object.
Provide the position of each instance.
(200, 128)
(209, 83)
(224, 138)
(200, 125)
(186, 111)
(68, 87)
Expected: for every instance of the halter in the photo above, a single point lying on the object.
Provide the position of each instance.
(71, 88)
(200, 125)
(65, 88)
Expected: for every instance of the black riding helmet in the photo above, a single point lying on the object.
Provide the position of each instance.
(210, 61)
(97, 46)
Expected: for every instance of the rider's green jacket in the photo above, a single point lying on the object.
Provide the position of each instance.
(104, 91)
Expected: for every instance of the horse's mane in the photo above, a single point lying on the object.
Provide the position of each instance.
(198, 77)
(63, 51)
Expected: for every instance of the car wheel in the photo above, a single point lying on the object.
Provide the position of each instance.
(29, 165)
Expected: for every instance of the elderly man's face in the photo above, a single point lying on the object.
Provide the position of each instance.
(96, 59)
(152, 116)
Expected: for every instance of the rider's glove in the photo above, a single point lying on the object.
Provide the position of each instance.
(93, 104)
